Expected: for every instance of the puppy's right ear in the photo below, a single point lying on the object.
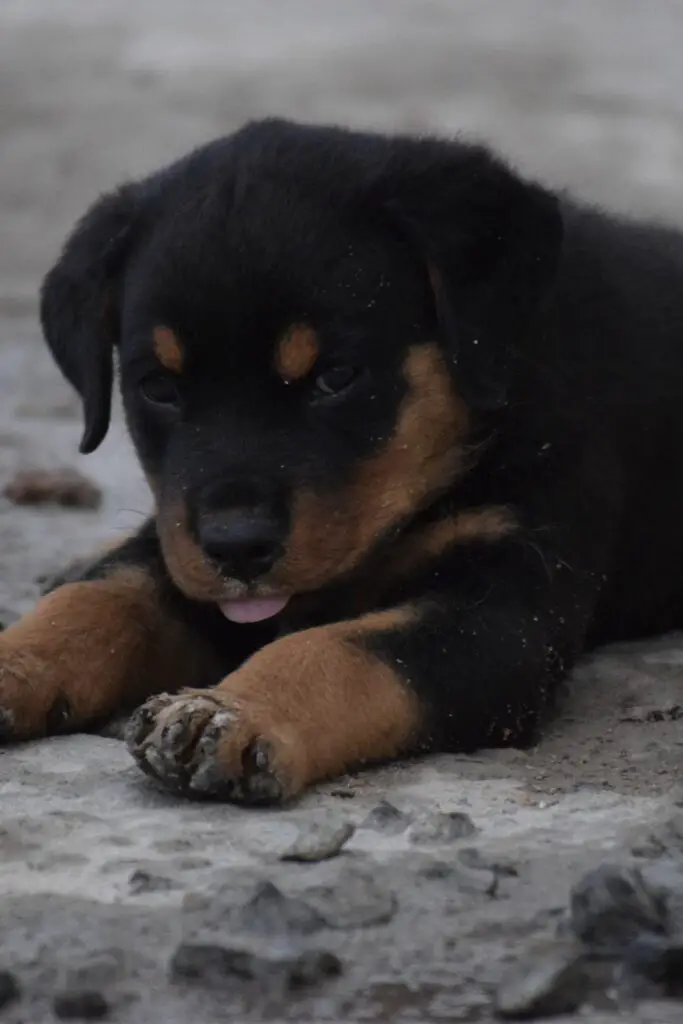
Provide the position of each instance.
(79, 306)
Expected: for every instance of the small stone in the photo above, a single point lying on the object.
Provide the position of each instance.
(468, 880)
(442, 828)
(217, 964)
(657, 960)
(355, 901)
(313, 966)
(667, 713)
(9, 988)
(648, 848)
(664, 876)
(548, 983)
(472, 858)
(269, 912)
(80, 1005)
(386, 818)
(66, 487)
(196, 961)
(613, 905)
(487, 883)
(96, 970)
(143, 881)
(666, 839)
(436, 870)
(319, 840)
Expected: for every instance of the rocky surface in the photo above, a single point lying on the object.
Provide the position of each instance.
(459, 886)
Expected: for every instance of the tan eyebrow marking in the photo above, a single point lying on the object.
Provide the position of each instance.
(168, 349)
(296, 352)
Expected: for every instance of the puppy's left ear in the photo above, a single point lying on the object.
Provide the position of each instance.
(490, 242)
(79, 306)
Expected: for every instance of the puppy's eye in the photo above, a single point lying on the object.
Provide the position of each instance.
(334, 380)
(160, 389)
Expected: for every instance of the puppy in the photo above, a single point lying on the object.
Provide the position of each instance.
(412, 425)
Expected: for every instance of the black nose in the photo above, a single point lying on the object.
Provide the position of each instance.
(244, 543)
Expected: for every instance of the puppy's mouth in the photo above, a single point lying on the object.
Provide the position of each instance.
(253, 609)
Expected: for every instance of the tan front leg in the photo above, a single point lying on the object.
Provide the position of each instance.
(87, 650)
(305, 707)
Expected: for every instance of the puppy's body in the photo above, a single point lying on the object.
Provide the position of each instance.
(416, 416)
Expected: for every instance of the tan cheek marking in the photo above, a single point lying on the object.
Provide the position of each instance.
(331, 533)
(89, 649)
(487, 524)
(168, 349)
(324, 701)
(189, 568)
(296, 353)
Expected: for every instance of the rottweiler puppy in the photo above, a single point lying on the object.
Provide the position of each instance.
(413, 428)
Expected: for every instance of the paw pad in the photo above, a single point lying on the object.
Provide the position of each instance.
(196, 745)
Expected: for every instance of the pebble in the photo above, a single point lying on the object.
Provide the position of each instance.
(9, 988)
(384, 817)
(66, 487)
(468, 880)
(144, 881)
(80, 1005)
(668, 713)
(657, 960)
(197, 961)
(442, 827)
(96, 970)
(613, 905)
(313, 966)
(319, 840)
(549, 982)
(666, 839)
(472, 857)
(356, 900)
(270, 911)
(436, 870)
(665, 876)
(215, 964)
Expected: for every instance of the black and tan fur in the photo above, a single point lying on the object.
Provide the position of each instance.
(433, 404)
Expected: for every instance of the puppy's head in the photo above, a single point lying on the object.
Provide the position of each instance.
(306, 319)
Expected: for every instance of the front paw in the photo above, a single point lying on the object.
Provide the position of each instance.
(207, 744)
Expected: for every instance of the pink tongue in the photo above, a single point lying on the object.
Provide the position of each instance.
(253, 609)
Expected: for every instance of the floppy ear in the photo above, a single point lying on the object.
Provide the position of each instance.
(490, 242)
(79, 306)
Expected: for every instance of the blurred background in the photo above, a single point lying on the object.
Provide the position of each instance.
(582, 93)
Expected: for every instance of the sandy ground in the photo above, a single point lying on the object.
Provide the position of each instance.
(100, 876)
